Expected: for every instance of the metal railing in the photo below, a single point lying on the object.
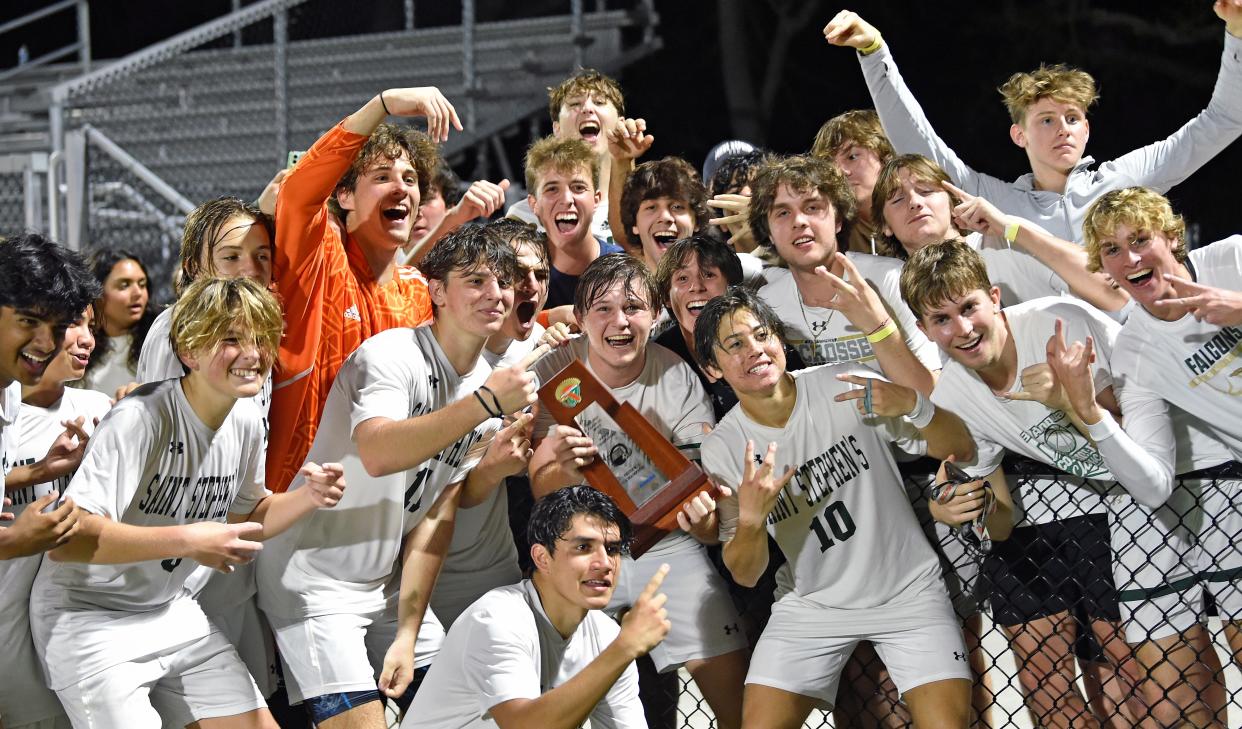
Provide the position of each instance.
(82, 47)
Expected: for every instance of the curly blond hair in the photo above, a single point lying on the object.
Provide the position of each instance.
(1140, 208)
(210, 307)
(1062, 83)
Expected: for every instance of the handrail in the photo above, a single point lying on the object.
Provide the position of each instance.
(82, 47)
(139, 170)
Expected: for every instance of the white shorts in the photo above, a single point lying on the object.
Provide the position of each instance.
(705, 622)
(332, 654)
(204, 679)
(248, 631)
(800, 651)
(1220, 546)
(1155, 564)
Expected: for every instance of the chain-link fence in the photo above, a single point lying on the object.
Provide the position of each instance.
(1052, 640)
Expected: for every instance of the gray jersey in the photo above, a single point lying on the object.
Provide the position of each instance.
(347, 559)
(503, 648)
(844, 521)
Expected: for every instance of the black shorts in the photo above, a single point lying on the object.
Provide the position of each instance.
(1046, 569)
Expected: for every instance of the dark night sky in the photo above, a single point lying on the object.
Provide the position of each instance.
(1155, 68)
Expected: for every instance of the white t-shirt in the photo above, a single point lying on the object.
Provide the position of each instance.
(504, 648)
(1194, 365)
(1020, 276)
(843, 521)
(25, 699)
(347, 559)
(667, 393)
(10, 408)
(113, 370)
(151, 463)
(825, 336)
(1030, 428)
(157, 362)
(516, 350)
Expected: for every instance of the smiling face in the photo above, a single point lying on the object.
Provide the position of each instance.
(969, 328)
(124, 296)
(29, 341)
(1054, 135)
(861, 166)
(582, 569)
(749, 356)
(659, 223)
(474, 301)
(382, 206)
(617, 325)
(691, 286)
(75, 353)
(918, 212)
(565, 204)
(803, 227)
(530, 293)
(233, 368)
(587, 116)
(1137, 260)
(241, 249)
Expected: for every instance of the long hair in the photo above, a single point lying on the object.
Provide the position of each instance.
(101, 263)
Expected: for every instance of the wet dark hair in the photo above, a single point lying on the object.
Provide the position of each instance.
(736, 299)
(712, 253)
(447, 183)
(519, 234)
(468, 248)
(671, 177)
(735, 172)
(47, 279)
(552, 515)
(606, 272)
(102, 261)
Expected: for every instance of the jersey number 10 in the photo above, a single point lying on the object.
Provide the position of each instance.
(837, 517)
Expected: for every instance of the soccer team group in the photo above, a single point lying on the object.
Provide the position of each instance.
(314, 481)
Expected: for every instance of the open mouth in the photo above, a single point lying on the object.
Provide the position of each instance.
(619, 340)
(1138, 278)
(248, 373)
(36, 364)
(397, 213)
(971, 345)
(664, 238)
(598, 584)
(694, 308)
(566, 222)
(803, 241)
(525, 312)
(589, 131)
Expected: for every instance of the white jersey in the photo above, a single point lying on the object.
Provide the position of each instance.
(1192, 364)
(152, 463)
(504, 647)
(825, 336)
(157, 362)
(24, 698)
(1020, 276)
(667, 393)
(347, 559)
(113, 370)
(844, 521)
(1030, 428)
(10, 408)
(516, 350)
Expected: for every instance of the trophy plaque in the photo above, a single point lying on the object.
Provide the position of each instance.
(647, 476)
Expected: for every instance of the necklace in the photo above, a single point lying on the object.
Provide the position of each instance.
(811, 331)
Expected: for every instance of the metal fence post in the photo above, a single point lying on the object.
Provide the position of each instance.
(237, 39)
(575, 31)
(467, 59)
(280, 47)
(409, 14)
(84, 35)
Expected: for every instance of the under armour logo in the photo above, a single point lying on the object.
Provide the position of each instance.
(435, 381)
(729, 629)
(818, 327)
(176, 446)
(957, 656)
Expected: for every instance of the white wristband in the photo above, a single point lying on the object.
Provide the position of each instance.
(923, 412)
(1106, 428)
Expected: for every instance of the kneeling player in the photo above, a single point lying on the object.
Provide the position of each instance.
(862, 568)
(112, 612)
(542, 653)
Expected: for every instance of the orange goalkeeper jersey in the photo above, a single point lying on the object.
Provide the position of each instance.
(331, 299)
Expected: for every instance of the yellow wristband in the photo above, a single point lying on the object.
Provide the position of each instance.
(875, 46)
(1011, 232)
(884, 332)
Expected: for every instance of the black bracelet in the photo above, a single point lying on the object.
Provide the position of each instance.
(483, 403)
(386, 111)
(500, 412)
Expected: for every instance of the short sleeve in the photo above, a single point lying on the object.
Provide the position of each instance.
(501, 662)
(382, 381)
(113, 464)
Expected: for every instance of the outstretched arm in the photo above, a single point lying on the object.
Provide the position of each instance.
(627, 141)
